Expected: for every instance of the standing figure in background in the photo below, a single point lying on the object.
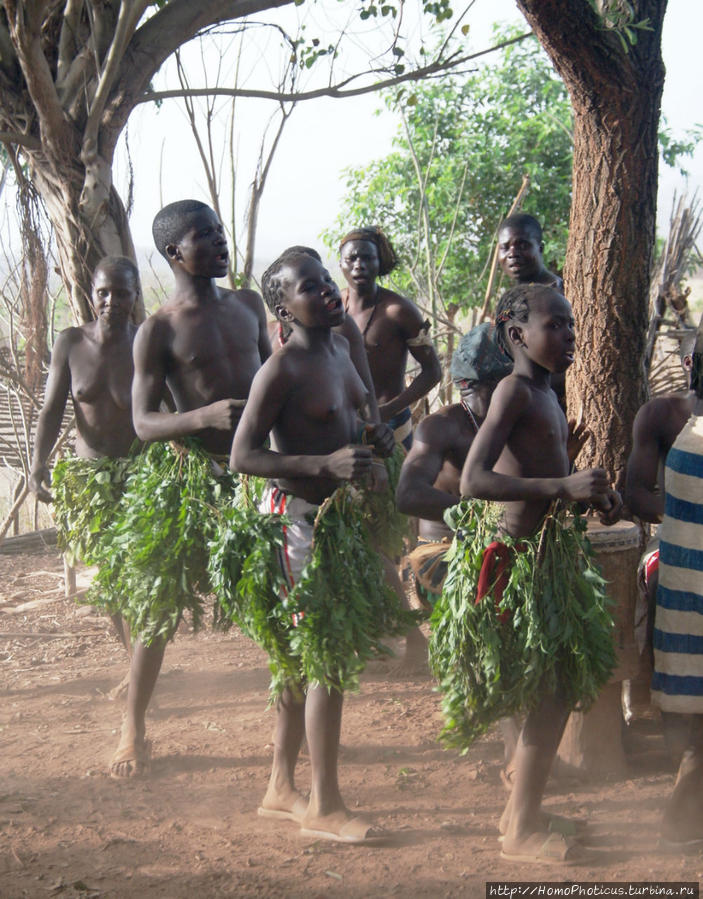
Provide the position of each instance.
(391, 326)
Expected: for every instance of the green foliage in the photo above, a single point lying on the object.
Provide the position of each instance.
(474, 138)
(387, 526)
(86, 496)
(557, 633)
(673, 148)
(153, 559)
(325, 629)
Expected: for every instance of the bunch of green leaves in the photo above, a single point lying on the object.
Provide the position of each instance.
(387, 526)
(246, 576)
(325, 629)
(344, 605)
(551, 631)
(86, 495)
(153, 560)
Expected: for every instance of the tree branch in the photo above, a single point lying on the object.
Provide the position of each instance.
(337, 91)
(20, 140)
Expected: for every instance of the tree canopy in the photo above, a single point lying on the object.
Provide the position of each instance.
(463, 147)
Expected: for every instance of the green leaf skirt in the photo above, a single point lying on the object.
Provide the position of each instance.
(341, 604)
(551, 631)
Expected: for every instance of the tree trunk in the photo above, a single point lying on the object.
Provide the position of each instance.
(616, 96)
(89, 222)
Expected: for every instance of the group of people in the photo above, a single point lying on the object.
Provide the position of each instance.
(323, 409)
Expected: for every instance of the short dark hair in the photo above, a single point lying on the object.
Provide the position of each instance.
(123, 262)
(272, 284)
(171, 223)
(522, 221)
(513, 306)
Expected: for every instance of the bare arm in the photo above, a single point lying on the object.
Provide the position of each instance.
(149, 388)
(58, 386)
(416, 494)
(410, 322)
(508, 405)
(642, 493)
(250, 455)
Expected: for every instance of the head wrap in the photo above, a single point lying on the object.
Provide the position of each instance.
(479, 358)
(386, 254)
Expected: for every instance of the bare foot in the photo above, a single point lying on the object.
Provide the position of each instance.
(288, 806)
(342, 827)
(542, 847)
(131, 759)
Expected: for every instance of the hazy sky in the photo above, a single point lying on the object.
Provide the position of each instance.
(323, 137)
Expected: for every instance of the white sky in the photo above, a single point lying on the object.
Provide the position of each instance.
(325, 136)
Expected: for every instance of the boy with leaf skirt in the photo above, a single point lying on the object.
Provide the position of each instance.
(307, 396)
(526, 615)
(201, 348)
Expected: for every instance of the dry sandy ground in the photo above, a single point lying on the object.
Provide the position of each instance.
(191, 830)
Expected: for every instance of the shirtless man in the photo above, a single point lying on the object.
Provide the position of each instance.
(391, 326)
(93, 364)
(204, 345)
(520, 249)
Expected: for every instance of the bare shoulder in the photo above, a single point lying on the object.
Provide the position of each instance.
(340, 340)
(512, 390)
(244, 297)
(401, 310)
(661, 417)
(156, 329)
(440, 428)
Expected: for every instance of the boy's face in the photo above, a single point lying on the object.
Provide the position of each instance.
(547, 337)
(202, 251)
(360, 263)
(309, 295)
(519, 254)
(114, 294)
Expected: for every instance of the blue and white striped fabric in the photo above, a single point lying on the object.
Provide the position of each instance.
(677, 685)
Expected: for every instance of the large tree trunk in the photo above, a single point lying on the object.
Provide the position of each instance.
(616, 96)
(89, 222)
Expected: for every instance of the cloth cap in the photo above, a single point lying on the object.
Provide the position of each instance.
(479, 358)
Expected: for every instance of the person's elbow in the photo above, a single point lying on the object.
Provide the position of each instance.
(404, 498)
(470, 482)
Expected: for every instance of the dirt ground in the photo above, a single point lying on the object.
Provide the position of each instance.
(191, 829)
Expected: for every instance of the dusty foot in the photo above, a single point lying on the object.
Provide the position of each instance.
(289, 806)
(549, 822)
(342, 827)
(131, 759)
(542, 847)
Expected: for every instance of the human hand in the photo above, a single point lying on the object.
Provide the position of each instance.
(36, 480)
(609, 507)
(223, 415)
(590, 486)
(579, 435)
(381, 437)
(351, 463)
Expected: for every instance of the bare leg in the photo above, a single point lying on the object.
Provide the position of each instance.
(131, 757)
(683, 813)
(282, 800)
(327, 817)
(415, 642)
(522, 821)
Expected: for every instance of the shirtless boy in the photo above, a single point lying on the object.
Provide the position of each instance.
(307, 396)
(279, 333)
(520, 249)
(391, 326)
(519, 458)
(204, 346)
(93, 364)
